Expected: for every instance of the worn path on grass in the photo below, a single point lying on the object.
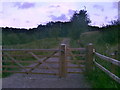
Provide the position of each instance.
(46, 81)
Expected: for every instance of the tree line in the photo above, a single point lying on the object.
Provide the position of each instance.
(72, 29)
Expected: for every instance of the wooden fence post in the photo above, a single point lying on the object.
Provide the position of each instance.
(62, 61)
(89, 58)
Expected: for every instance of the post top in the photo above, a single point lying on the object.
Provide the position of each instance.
(90, 44)
(63, 44)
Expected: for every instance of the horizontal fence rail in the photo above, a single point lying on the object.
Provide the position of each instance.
(31, 72)
(30, 61)
(113, 76)
(76, 49)
(76, 72)
(113, 61)
(20, 61)
(27, 67)
(29, 49)
(29, 55)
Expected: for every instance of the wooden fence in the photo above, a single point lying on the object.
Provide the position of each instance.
(66, 52)
(91, 53)
(62, 53)
(27, 69)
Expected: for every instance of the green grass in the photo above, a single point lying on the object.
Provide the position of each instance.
(101, 80)
(100, 46)
(98, 78)
(38, 44)
(47, 43)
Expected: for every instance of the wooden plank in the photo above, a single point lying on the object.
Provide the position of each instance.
(26, 67)
(53, 62)
(38, 59)
(21, 61)
(82, 55)
(13, 66)
(75, 67)
(31, 72)
(19, 65)
(30, 56)
(77, 49)
(77, 72)
(77, 61)
(39, 63)
(30, 49)
(113, 76)
(81, 61)
(113, 61)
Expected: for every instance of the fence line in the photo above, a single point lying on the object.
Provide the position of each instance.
(29, 50)
(92, 62)
(113, 61)
(63, 53)
(62, 63)
(113, 76)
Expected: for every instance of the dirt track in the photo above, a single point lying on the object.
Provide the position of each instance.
(46, 81)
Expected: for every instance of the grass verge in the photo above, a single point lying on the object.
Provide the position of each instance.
(98, 78)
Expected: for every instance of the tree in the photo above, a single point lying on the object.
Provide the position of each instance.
(79, 24)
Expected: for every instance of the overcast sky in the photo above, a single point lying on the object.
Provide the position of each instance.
(30, 13)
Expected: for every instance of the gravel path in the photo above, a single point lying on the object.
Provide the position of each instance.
(46, 81)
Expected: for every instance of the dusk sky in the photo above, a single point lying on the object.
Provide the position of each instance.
(31, 13)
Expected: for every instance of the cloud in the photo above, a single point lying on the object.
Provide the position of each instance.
(102, 9)
(116, 17)
(54, 6)
(14, 19)
(115, 5)
(99, 7)
(106, 18)
(27, 21)
(17, 4)
(24, 5)
(96, 14)
(61, 17)
(70, 12)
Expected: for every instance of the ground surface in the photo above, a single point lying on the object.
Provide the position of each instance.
(46, 81)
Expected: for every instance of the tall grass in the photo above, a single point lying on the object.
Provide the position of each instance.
(103, 44)
(45, 43)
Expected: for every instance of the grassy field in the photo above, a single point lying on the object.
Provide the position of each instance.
(100, 46)
(99, 79)
(47, 43)
(38, 44)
